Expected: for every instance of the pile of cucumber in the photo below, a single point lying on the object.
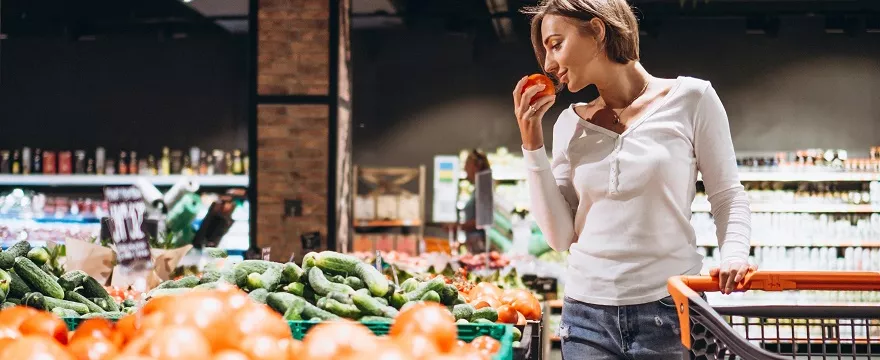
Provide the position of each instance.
(327, 286)
(25, 281)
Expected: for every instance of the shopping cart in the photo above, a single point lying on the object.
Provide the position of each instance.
(779, 332)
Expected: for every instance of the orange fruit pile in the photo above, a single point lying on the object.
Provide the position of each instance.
(224, 324)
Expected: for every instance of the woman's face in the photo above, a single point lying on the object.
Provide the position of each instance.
(573, 55)
(470, 168)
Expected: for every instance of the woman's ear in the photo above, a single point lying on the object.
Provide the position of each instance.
(598, 29)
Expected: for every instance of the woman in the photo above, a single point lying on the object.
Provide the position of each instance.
(476, 162)
(618, 191)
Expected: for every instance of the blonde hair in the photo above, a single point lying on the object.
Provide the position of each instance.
(621, 42)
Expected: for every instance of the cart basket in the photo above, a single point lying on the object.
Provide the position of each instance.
(778, 331)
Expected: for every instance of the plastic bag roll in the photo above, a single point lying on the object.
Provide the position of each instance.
(183, 213)
(152, 195)
(182, 187)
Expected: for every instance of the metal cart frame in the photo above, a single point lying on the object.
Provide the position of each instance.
(778, 332)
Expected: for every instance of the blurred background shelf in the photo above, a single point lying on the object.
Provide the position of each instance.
(112, 180)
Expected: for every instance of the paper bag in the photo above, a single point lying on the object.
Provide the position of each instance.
(93, 259)
(165, 261)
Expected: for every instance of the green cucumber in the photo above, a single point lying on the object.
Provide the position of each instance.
(517, 333)
(247, 267)
(295, 288)
(346, 264)
(291, 273)
(64, 312)
(17, 286)
(409, 285)
(228, 276)
(381, 300)
(309, 260)
(112, 315)
(449, 294)
(460, 299)
(34, 300)
(295, 309)
(72, 280)
(7, 305)
(280, 301)
(482, 321)
(463, 311)
(311, 312)
(348, 311)
(253, 281)
(309, 294)
(341, 297)
(74, 296)
(436, 285)
(322, 286)
(271, 278)
(370, 306)
(397, 300)
(209, 277)
(431, 296)
(167, 284)
(259, 295)
(37, 278)
(216, 253)
(102, 303)
(188, 282)
(5, 282)
(15, 301)
(339, 279)
(462, 321)
(487, 313)
(38, 255)
(129, 303)
(92, 289)
(52, 303)
(354, 282)
(7, 258)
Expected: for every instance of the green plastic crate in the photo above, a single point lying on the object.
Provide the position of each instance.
(466, 332)
(72, 323)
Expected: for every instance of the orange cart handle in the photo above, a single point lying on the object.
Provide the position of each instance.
(683, 288)
(792, 280)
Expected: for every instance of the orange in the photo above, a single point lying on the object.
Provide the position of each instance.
(14, 316)
(507, 315)
(486, 344)
(34, 347)
(45, 324)
(92, 348)
(99, 329)
(264, 347)
(178, 343)
(427, 319)
(229, 355)
(333, 339)
(535, 79)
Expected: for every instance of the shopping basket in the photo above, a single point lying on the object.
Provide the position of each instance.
(778, 331)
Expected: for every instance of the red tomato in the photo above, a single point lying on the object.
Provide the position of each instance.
(535, 79)
(45, 324)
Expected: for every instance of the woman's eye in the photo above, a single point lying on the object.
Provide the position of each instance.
(555, 46)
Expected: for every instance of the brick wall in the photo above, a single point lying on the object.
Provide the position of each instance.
(293, 139)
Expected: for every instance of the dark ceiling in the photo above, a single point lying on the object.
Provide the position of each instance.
(495, 19)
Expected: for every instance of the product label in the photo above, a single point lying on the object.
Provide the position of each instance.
(126, 227)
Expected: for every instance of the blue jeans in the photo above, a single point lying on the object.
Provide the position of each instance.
(643, 331)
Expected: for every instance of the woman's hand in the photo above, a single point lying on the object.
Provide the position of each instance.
(529, 116)
(731, 273)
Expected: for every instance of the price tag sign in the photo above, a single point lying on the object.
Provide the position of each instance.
(266, 253)
(126, 227)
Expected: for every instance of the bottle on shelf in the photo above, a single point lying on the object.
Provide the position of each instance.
(165, 162)
(65, 162)
(100, 159)
(16, 163)
(26, 160)
(228, 163)
(49, 162)
(143, 167)
(110, 168)
(123, 163)
(151, 165)
(176, 162)
(79, 164)
(38, 161)
(90, 166)
(203, 164)
(5, 166)
(187, 166)
(237, 167)
(133, 163)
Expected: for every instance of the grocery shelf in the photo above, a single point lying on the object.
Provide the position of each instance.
(805, 175)
(386, 223)
(800, 208)
(105, 180)
(869, 244)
